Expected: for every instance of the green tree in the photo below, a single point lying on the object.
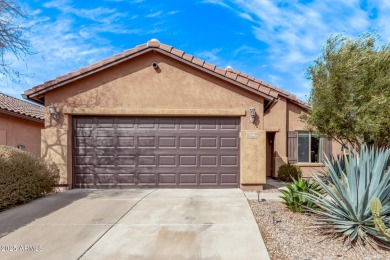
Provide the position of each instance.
(350, 94)
(13, 37)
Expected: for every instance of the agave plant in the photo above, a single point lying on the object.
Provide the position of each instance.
(293, 198)
(345, 206)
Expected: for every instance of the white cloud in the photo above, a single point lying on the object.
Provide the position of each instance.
(294, 32)
(155, 14)
(99, 14)
(209, 56)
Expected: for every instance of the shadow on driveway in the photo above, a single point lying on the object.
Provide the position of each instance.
(22, 215)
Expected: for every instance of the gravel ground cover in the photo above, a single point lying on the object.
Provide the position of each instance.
(292, 237)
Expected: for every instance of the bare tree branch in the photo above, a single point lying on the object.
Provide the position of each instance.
(13, 40)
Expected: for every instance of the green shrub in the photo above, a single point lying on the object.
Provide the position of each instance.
(288, 171)
(293, 198)
(345, 207)
(24, 177)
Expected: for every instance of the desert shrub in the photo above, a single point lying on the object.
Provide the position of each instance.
(345, 207)
(24, 177)
(293, 197)
(288, 171)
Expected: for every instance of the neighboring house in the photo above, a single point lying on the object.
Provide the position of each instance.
(21, 124)
(156, 116)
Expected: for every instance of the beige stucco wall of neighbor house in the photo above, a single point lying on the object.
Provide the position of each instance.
(135, 88)
(15, 131)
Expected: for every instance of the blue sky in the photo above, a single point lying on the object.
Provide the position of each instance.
(274, 41)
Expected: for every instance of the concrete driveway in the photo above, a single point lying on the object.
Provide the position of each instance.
(133, 224)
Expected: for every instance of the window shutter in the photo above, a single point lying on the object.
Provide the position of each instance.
(327, 147)
(292, 146)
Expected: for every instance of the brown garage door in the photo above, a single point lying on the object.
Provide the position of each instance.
(123, 152)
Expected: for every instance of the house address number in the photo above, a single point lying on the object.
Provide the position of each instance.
(252, 135)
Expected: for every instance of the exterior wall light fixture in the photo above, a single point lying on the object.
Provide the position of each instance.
(252, 114)
(53, 113)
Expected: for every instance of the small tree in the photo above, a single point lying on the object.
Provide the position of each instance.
(13, 38)
(350, 95)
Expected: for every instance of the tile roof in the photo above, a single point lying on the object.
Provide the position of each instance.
(23, 108)
(229, 73)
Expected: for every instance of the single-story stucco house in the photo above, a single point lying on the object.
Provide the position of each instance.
(21, 124)
(157, 116)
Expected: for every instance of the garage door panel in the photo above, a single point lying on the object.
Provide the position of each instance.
(104, 141)
(147, 179)
(208, 142)
(146, 160)
(208, 124)
(187, 142)
(209, 179)
(84, 122)
(228, 178)
(167, 179)
(188, 124)
(84, 160)
(84, 178)
(187, 160)
(125, 160)
(166, 160)
(107, 122)
(127, 141)
(229, 142)
(146, 123)
(106, 160)
(84, 141)
(229, 124)
(228, 160)
(125, 152)
(105, 132)
(83, 150)
(128, 123)
(146, 142)
(209, 160)
(188, 179)
(105, 179)
(166, 124)
(126, 178)
(167, 142)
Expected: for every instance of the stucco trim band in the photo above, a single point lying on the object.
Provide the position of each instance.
(154, 112)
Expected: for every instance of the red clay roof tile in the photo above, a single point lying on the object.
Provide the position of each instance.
(220, 71)
(253, 84)
(242, 80)
(177, 52)
(188, 57)
(198, 61)
(11, 104)
(209, 66)
(166, 47)
(231, 75)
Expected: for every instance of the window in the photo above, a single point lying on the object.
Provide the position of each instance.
(303, 147)
(309, 148)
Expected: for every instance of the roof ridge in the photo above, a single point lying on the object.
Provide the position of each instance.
(231, 74)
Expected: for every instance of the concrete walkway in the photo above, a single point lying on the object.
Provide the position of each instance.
(252, 195)
(133, 224)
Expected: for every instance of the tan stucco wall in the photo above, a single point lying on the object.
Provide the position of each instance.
(134, 86)
(15, 131)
